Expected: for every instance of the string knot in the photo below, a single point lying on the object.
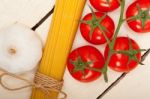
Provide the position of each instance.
(43, 82)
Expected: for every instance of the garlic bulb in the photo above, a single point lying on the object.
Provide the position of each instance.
(20, 48)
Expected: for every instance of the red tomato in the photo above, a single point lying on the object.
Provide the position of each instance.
(97, 36)
(120, 62)
(82, 57)
(104, 6)
(134, 10)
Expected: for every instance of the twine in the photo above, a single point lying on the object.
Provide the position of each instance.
(43, 82)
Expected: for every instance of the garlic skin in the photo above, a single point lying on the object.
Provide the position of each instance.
(20, 49)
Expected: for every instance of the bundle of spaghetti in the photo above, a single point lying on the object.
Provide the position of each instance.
(63, 28)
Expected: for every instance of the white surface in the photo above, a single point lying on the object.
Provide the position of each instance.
(134, 86)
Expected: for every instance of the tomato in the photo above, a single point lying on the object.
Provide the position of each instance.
(82, 57)
(139, 9)
(104, 6)
(119, 61)
(97, 36)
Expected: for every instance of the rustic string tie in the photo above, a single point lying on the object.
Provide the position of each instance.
(42, 82)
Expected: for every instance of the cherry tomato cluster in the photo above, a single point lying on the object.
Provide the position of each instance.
(122, 54)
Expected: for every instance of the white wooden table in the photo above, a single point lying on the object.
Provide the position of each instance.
(134, 86)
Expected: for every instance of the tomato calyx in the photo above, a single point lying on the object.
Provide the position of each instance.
(79, 65)
(143, 16)
(96, 22)
(108, 1)
(131, 53)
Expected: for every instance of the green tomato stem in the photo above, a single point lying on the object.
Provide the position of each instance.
(104, 70)
(105, 36)
(111, 44)
(105, 77)
(94, 69)
(121, 20)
